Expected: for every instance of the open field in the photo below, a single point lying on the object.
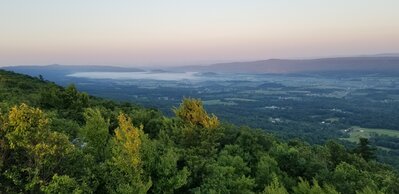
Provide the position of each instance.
(218, 102)
(356, 132)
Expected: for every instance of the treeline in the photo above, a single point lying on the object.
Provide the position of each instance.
(56, 140)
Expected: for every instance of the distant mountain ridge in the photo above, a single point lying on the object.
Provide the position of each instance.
(76, 68)
(371, 64)
(51, 71)
(361, 64)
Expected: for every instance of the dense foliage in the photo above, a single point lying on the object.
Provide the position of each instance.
(56, 140)
(313, 107)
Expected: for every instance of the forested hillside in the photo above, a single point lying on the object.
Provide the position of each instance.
(58, 140)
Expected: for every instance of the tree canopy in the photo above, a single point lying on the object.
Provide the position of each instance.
(56, 140)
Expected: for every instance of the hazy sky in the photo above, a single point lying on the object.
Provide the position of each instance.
(177, 32)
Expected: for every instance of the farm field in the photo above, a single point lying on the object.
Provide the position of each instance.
(357, 132)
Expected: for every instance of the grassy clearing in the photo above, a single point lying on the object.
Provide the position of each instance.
(218, 102)
(356, 132)
(266, 92)
(240, 99)
(333, 119)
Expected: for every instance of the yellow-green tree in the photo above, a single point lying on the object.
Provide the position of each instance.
(198, 133)
(200, 129)
(62, 185)
(36, 153)
(25, 126)
(275, 187)
(126, 172)
(192, 111)
(304, 187)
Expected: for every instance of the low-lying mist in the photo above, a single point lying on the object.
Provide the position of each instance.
(170, 76)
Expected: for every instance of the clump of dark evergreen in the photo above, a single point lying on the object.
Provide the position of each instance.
(58, 140)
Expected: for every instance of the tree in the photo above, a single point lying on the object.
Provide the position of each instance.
(95, 134)
(165, 173)
(41, 77)
(304, 187)
(199, 132)
(266, 170)
(337, 153)
(62, 185)
(368, 190)
(73, 103)
(36, 152)
(275, 187)
(192, 111)
(364, 149)
(125, 167)
(25, 126)
(50, 97)
(69, 102)
(348, 179)
(228, 174)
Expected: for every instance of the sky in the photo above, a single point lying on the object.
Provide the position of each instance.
(192, 32)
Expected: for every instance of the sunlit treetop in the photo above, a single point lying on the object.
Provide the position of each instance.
(192, 111)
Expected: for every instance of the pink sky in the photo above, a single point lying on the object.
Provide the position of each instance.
(138, 33)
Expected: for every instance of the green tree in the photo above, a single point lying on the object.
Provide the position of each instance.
(73, 103)
(337, 153)
(304, 187)
(165, 173)
(266, 170)
(228, 174)
(348, 179)
(95, 134)
(62, 185)
(50, 97)
(368, 190)
(365, 150)
(275, 187)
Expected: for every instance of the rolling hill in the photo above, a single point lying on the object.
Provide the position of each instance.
(343, 64)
